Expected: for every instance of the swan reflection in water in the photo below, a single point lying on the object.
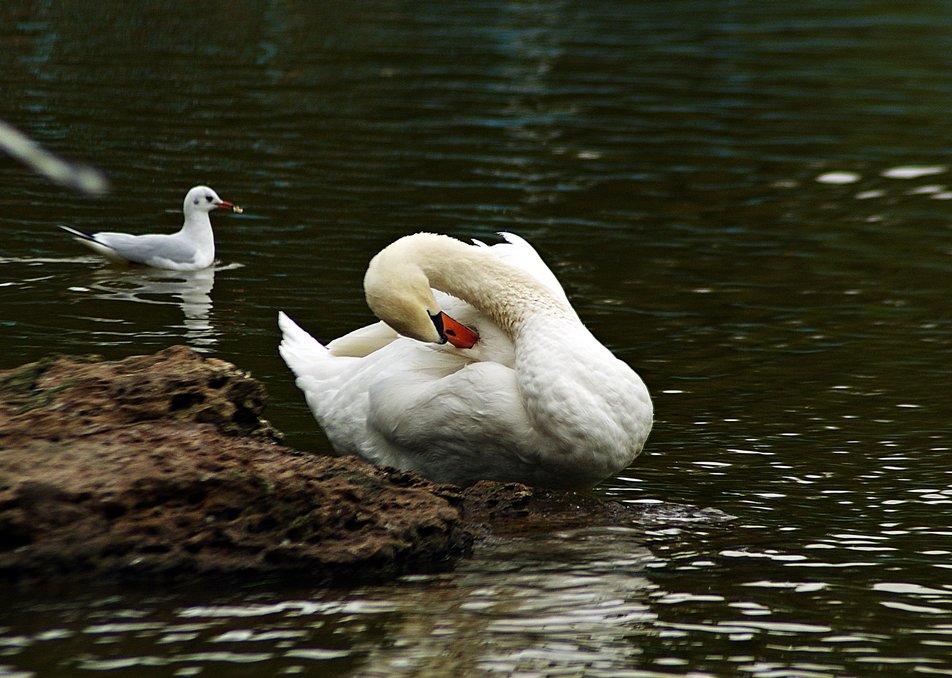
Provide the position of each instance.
(190, 290)
(558, 603)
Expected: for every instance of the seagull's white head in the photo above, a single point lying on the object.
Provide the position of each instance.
(204, 199)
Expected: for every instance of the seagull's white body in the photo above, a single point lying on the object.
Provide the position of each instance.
(190, 249)
(536, 400)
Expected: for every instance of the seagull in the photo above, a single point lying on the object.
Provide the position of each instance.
(191, 249)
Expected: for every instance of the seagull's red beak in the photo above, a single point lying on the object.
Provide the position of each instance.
(458, 334)
(225, 205)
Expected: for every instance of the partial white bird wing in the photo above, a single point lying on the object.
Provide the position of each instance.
(448, 421)
(152, 250)
(337, 387)
(363, 341)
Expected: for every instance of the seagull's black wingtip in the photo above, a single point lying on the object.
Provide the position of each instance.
(77, 233)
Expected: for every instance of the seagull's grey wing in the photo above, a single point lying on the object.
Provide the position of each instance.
(151, 250)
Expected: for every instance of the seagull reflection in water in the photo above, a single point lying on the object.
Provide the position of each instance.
(190, 290)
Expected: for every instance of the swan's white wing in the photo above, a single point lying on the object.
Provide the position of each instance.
(448, 424)
(338, 388)
(409, 404)
(363, 341)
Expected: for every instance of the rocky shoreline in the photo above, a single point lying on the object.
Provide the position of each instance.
(162, 466)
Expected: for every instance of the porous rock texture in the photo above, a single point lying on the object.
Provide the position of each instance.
(161, 465)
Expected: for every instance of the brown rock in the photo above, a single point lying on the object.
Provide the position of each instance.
(161, 466)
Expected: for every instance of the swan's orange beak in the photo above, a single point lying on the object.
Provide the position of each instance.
(458, 334)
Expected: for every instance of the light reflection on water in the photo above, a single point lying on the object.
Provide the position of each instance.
(595, 601)
(746, 201)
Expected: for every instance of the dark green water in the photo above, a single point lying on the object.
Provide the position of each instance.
(673, 162)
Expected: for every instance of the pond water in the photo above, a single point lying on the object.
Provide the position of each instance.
(746, 201)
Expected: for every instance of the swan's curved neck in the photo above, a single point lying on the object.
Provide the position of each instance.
(474, 274)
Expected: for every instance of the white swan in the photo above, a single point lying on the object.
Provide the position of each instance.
(190, 249)
(536, 399)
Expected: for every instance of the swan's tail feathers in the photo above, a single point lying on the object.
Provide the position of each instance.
(298, 348)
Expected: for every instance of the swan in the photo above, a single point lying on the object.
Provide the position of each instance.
(190, 249)
(479, 369)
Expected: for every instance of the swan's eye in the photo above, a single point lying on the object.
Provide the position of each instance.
(209, 198)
